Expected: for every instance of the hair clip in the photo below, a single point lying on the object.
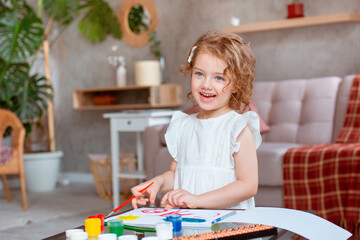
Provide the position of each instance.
(191, 54)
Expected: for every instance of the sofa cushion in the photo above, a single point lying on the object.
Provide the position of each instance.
(5, 154)
(270, 159)
(298, 111)
(263, 126)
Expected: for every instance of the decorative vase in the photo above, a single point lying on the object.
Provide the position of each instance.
(147, 73)
(121, 72)
(295, 10)
(41, 170)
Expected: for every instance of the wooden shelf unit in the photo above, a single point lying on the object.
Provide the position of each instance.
(294, 23)
(131, 97)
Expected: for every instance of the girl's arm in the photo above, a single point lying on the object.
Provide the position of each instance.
(242, 189)
(162, 183)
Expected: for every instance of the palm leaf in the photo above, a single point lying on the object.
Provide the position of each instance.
(98, 21)
(12, 80)
(33, 97)
(21, 34)
(64, 11)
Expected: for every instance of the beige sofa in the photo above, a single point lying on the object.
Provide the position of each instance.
(298, 112)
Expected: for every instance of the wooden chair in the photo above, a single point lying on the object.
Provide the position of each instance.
(15, 165)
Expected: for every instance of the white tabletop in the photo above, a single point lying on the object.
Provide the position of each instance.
(141, 113)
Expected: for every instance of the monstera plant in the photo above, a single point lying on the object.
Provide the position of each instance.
(21, 37)
(23, 34)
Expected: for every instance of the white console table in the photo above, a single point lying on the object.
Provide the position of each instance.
(131, 122)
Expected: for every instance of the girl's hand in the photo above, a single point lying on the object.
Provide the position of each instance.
(180, 198)
(141, 197)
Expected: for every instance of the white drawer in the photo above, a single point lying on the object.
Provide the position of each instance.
(130, 125)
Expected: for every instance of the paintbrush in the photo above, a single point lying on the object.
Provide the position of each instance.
(127, 201)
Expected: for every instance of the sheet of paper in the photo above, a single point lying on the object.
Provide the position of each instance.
(148, 217)
(305, 224)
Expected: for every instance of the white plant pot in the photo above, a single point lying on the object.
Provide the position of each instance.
(41, 170)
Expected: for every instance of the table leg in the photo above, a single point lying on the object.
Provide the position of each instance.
(115, 146)
(140, 151)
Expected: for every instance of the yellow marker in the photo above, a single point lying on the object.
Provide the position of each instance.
(93, 226)
(128, 218)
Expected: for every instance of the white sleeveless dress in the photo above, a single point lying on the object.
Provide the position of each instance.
(203, 150)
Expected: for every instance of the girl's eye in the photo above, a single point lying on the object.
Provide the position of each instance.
(219, 78)
(199, 74)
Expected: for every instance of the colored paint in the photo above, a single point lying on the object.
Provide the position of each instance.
(107, 236)
(176, 221)
(79, 236)
(93, 226)
(116, 226)
(128, 237)
(71, 231)
(128, 218)
(101, 217)
(198, 220)
(164, 230)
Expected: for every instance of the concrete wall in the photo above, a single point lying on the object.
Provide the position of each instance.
(281, 54)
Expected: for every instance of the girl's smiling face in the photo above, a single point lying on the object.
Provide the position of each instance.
(211, 90)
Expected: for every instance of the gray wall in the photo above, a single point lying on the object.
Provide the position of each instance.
(281, 54)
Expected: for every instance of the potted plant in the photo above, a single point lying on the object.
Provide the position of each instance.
(295, 9)
(30, 96)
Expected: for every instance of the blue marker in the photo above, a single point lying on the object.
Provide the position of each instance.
(223, 217)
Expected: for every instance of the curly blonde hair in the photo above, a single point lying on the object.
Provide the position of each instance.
(232, 49)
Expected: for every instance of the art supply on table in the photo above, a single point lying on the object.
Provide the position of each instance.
(93, 226)
(223, 217)
(196, 220)
(245, 232)
(176, 221)
(139, 229)
(79, 236)
(128, 237)
(101, 217)
(116, 226)
(127, 201)
(164, 230)
(107, 236)
(148, 217)
(71, 231)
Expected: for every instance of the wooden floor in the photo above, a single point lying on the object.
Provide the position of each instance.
(49, 213)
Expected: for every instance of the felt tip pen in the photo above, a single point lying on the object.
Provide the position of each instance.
(223, 217)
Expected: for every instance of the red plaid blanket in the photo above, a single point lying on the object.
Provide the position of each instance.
(350, 132)
(326, 177)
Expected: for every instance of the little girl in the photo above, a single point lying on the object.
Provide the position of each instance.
(214, 161)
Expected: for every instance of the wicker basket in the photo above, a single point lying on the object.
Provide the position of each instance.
(100, 165)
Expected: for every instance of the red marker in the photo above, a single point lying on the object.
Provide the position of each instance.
(127, 201)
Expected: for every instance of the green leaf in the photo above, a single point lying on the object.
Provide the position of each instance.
(21, 34)
(32, 99)
(98, 21)
(137, 19)
(64, 11)
(12, 81)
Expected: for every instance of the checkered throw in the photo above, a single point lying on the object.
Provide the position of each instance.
(326, 177)
(350, 132)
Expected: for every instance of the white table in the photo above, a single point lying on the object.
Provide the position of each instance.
(131, 122)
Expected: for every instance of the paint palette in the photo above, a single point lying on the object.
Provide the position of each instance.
(148, 217)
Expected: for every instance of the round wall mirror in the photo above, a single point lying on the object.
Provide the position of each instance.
(138, 18)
